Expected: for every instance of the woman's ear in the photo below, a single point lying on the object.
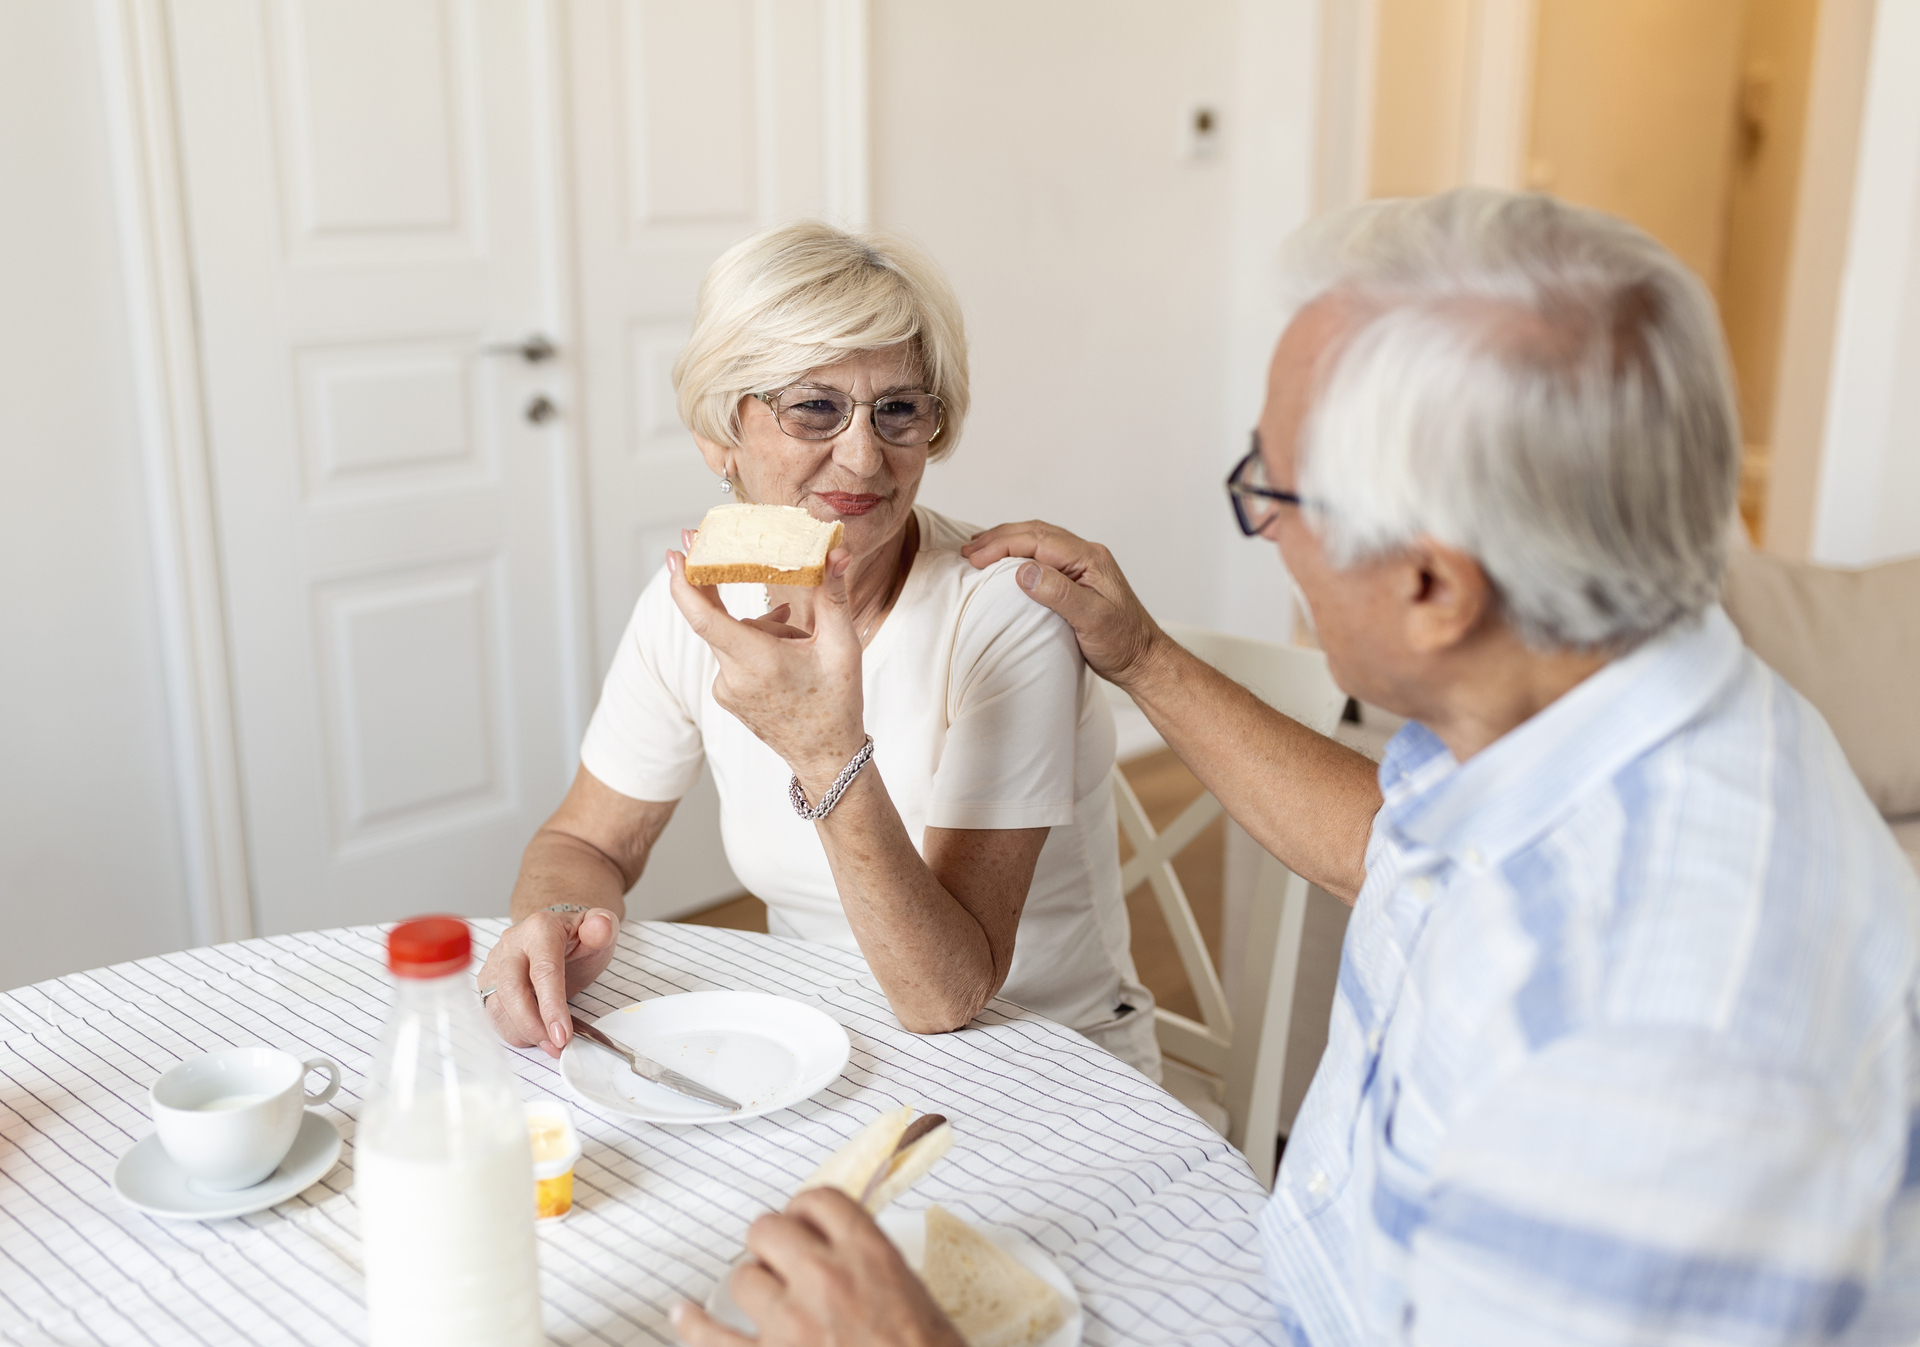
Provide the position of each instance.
(719, 458)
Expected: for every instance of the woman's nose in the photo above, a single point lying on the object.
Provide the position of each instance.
(857, 448)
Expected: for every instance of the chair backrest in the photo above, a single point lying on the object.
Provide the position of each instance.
(1244, 1044)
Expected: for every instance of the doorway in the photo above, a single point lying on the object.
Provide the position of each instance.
(1686, 117)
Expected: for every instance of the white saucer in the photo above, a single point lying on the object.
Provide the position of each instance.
(766, 1051)
(908, 1231)
(146, 1178)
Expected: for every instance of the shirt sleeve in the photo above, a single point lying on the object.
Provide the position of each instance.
(644, 740)
(1013, 712)
(1649, 1185)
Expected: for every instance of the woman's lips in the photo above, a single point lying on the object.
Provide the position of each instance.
(848, 502)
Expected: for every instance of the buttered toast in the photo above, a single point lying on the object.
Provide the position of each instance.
(761, 545)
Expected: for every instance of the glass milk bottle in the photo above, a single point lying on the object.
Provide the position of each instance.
(443, 1174)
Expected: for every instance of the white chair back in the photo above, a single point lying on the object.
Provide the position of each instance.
(1245, 1044)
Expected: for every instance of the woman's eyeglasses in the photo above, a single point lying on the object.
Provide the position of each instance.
(906, 420)
(1255, 504)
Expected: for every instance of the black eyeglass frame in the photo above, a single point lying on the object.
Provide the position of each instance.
(939, 415)
(1238, 491)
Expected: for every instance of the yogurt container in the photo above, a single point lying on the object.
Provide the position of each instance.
(556, 1149)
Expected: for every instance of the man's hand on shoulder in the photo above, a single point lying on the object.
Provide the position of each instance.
(826, 1277)
(1080, 581)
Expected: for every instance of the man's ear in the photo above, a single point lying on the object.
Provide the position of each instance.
(1448, 596)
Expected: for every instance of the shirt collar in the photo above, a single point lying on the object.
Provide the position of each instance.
(1516, 788)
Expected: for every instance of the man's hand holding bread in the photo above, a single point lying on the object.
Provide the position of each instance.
(824, 1275)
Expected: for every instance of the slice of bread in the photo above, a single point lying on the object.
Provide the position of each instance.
(852, 1167)
(992, 1300)
(761, 545)
(885, 1158)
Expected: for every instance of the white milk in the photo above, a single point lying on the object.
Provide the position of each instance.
(450, 1249)
(227, 1103)
(443, 1174)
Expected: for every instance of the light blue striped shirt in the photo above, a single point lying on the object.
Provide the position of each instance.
(1626, 1047)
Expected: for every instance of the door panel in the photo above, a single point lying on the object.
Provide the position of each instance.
(1634, 113)
(363, 180)
(412, 673)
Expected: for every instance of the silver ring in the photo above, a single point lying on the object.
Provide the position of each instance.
(485, 992)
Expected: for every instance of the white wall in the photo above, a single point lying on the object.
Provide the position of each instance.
(90, 870)
(1868, 506)
(1117, 294)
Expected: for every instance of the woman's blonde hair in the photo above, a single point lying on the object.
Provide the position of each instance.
(798, 296)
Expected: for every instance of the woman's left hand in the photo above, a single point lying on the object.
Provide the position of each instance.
(799, 692)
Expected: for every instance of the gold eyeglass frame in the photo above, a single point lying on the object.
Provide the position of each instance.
(939, 412)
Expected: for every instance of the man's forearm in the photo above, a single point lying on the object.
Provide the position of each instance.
(558, 868)
(1306, 798)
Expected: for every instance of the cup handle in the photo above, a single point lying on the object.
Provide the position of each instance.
(333, 1080)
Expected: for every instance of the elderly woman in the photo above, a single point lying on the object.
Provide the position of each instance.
(969, 852)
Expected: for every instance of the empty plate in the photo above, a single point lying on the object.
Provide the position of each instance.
(766, 1051)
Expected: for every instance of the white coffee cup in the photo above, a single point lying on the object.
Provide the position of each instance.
(228, 1118)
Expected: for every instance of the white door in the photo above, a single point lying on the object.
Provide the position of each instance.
(693, 125)
(371, 192)
(422, 592)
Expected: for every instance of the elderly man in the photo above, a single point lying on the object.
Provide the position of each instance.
(1626, 1046)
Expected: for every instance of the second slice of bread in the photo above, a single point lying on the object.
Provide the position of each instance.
(761, 545)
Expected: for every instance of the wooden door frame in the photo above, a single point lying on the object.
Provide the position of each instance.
(171, 423)
(1811, 314)
(1495, 114)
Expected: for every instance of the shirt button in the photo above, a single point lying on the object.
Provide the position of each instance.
(1317, 1184)
(1421, 887)
(1374, 1037)
(1476, 858)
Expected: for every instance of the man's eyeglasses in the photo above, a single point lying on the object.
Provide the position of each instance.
(807, 412)
(1255, 504)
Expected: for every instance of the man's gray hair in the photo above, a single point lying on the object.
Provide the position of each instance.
(1541, 386)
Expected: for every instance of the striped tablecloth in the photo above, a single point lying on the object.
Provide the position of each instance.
(1148, 1211)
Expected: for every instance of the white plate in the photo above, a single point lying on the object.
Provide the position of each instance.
(766, 1051)
(908, 1231)
(147, 1179)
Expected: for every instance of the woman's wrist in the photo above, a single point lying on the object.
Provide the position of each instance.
(821, 769)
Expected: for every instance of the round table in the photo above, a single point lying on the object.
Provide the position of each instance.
(1147, 1210)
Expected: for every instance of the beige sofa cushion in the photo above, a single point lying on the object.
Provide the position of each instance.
(1849, 642)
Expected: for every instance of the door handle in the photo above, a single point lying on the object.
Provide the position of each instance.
(541, 410)
(532, 349)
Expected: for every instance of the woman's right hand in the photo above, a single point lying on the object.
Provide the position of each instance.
(1080, 581)
(538, 963)
(799, 692)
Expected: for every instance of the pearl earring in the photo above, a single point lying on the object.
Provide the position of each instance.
(726, 485)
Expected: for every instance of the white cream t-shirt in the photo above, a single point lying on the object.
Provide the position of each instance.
(983, 715)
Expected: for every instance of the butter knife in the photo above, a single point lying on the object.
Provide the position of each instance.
(648, 1069)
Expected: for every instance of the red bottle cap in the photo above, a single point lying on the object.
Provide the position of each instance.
(429, 947)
